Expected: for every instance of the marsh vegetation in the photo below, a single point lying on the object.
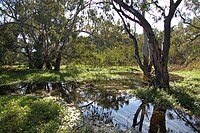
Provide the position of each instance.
(85, 99)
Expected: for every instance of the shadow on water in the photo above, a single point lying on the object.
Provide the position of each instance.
(113, 107)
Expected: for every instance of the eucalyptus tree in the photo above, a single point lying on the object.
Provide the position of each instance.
(160, 52)
(36, 21)
(45, 27)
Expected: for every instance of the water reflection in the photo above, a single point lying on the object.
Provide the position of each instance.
(111, 107)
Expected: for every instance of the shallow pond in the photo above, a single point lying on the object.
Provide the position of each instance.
(106, 106)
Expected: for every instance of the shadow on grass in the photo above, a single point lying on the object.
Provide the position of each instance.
(186, 98)
(174, 97)
(17, 76)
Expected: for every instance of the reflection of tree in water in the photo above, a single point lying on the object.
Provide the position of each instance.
(97, 114)
(142, 109)
(157, 122)
(72, 92)
(158, 118)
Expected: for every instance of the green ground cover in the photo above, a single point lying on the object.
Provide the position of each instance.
(79, 73)
(30, 113)
(35, 114)
(183, 94)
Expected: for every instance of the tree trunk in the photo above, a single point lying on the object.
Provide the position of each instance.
(162, 74)
(48, 65)
(38, 65)
(57, 62)
(30, 65)
(147, 62)
(166, 47)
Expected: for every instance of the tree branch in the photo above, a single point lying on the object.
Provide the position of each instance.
(173, 7)
(185, 22)
(162, 9)
(137, 55)
(127, 16)
(193, 38)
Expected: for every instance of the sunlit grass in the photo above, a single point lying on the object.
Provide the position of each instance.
(184, 93)
(188, 74)
(12, 76)
(191, 81)
(33, 114)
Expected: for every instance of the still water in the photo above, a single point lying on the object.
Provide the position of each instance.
(110, 106)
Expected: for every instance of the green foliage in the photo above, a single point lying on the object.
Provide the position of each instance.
(159, 97)
(88, 54)
(185, 47)
(40, 27)
(8, 37)
(191, 81)
(108, 46)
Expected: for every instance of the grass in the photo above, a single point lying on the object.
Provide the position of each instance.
(191, 81)
(15, 75)
(33, 114)
(183, 94)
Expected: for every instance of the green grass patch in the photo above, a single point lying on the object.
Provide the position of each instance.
(188, 74)
(13, 76)
(184, 93)
(33, 114)
(191, 81)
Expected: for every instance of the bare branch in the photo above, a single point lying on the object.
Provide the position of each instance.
(137, 55)
(193, 38)
(186, 22)
(159, 7)
(127, 16)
